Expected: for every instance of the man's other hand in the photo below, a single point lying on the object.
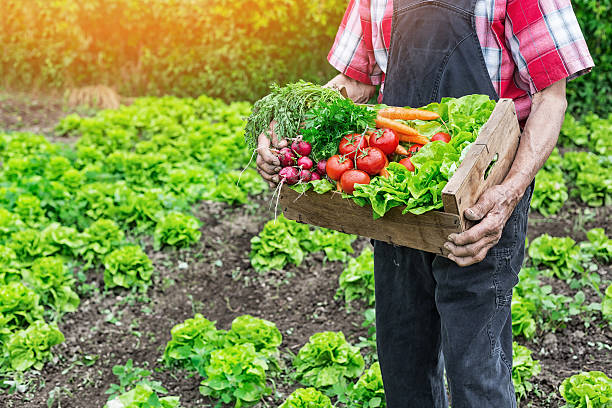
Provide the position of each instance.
(356, 91)
(268, 164)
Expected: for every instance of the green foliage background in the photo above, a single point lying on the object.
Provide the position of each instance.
(232, 49)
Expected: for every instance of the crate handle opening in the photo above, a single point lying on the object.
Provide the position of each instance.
(490, 166)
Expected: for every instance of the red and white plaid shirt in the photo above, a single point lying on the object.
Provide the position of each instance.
(527, 44)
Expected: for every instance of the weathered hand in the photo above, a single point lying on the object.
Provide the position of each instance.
(492, 210)
(268, 164)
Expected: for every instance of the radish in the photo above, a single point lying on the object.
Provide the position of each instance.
(289, 175)
(305, 163)
(302, 148)
(315, 176)
(305, 176)
(286, 157)
(321, 167)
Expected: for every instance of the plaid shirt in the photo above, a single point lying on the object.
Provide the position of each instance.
(527, 45)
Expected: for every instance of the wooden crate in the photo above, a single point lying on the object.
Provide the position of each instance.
(498, 139)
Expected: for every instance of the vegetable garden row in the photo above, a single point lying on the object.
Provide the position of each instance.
(83, 224)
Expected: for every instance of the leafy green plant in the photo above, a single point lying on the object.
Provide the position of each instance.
(524, 367)
(591, 389)
(143, 396)
(28, 246)
(262, 334)
(19, 308)
(50, 278)
(561, 254)
(177, 229)
(594, 187)
(127, 267)
(335, 244)
(32, 347)
(550, 192)
(523, 323)
(61, 240)
(306, 398)
(326, 359)
(236, 374)
(130, 376)
(598, 245)
(236, 187)
(606, 304)
(576, 162)
(368, 392)
(100, 239)
(192, 343)
(357, 279)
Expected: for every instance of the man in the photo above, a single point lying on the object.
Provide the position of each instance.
(432, 313)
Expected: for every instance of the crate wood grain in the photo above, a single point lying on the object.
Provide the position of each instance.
(495, 147)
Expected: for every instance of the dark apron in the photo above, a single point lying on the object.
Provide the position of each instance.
(434, 53)
(432, 315)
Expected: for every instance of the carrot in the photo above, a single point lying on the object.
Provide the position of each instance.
(401, 150)
(382, 122)
(408, 114)
(338, 186)
(384, 173)
(419, 139)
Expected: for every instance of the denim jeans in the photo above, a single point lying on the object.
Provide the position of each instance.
(433, 315)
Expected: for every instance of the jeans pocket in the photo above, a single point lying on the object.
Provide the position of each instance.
(505, 277)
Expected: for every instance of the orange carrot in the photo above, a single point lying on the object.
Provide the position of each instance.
(419, 139)
(408, 114)
(382, 122)
(401, 150)
(384, 173)
(338, 186)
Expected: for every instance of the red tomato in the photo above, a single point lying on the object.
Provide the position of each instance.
(445, 137)
(337, 165)
(414, 148)
(352, 177)
(407, 163)
(385, 139)
(372, 160)
(352, 143)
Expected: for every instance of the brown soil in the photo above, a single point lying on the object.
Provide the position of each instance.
(215, 278)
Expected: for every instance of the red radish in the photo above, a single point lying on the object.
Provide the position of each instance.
(315, 176)
(286, 157)
(301, 147)
(290, 175)
(305, 163)
(321, 166)
(305, 176)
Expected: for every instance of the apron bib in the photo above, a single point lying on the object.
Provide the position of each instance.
(434, 53)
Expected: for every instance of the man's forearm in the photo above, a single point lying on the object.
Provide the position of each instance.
(539, 137)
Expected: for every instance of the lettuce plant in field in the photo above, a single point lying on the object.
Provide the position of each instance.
(368, 392)
(524, 367)
(550, 192)
(262, 334)
(307, 398)
(235, 187)
(9, 223)
(127, 267)
(594, 187)
(576, 162)
(100, 239)
(561, 254)
(50, 278)
(61, 240)
(335, 244)
(523, 322)
(357, 279)
(192, 343)
(598, 244)
(143, 396)
(591, 389)
(28, 246)
(327, 359)
(177, 229)
(19, 307)
(606, 304)
(236, 374)
(32, 347)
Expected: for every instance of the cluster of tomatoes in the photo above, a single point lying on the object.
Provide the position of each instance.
(363, 155)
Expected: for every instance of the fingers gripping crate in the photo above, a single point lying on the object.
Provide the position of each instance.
(486, 164)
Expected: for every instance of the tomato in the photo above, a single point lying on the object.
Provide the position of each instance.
(351, 143)
(445, 137)
(337, 165)
(385, 139)
(352, 177)
(372, 160)
(414, 148)
(407, 163)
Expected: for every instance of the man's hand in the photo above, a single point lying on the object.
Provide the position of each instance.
(356, 91)
(268, 164)
(493, 210)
